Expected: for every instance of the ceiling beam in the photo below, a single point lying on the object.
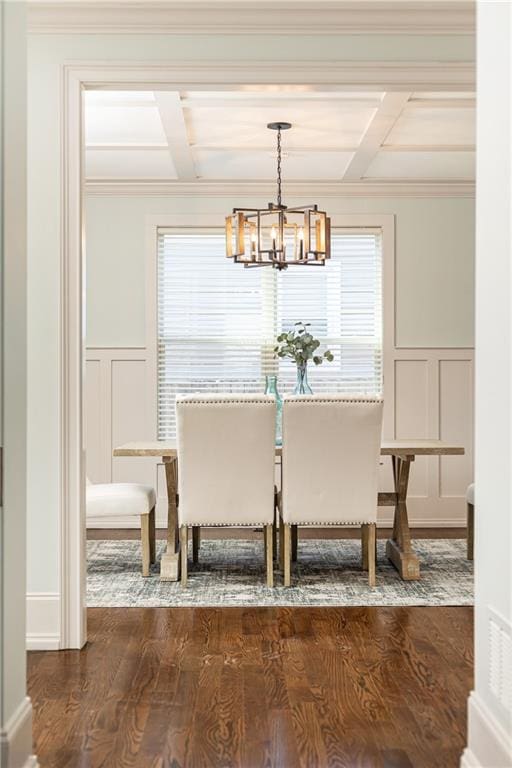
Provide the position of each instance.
(294, 151)
(281, 99)
(173, 121)
(428, 148)
(378, 128)
(440, 103)
(108, 146)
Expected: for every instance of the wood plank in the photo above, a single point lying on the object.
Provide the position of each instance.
(388, 448)
(257, 686)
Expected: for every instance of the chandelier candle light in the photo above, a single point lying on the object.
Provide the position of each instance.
(278, 236)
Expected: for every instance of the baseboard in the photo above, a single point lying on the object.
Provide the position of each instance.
(42, 642)
(43, 621)
(16, 739)
(468, 759)
(489, 745)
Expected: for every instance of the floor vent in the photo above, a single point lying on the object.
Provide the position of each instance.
(500, 659)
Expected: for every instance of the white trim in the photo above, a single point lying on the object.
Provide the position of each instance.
(139, 188)
(73, 620)
(16, 738)
(43, 621)
(489, 745)
(253, 17)
(468, 759)
(184, 75)
(43, 642)
(236, 74)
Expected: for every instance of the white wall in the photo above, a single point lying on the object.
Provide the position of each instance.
(47, 56)
(434, 263)
(490, 705)
(15, 708)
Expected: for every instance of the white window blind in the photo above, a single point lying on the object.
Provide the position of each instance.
(217, 322)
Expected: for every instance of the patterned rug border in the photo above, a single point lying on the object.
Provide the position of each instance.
(230, 573)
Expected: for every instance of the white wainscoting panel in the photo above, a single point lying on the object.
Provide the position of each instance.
(430, 395)
(411, 416)
(117, 410)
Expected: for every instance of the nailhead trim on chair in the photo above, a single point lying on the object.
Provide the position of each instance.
(317, 523)
(304, 399)
(320, 524)
(225, 402)
(227, 525)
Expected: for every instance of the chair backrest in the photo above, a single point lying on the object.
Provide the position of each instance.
(226, 458)
(331, 450)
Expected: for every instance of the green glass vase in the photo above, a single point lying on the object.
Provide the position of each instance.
(302, 386)
(271, 389)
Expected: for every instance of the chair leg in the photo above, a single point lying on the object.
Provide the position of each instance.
(281, 543)
(152, 536)
(269, 553)
(274, 533)
(196, 543)
(372, 532)
(145, 542)
(295, 539)
(287, 553)
(364, 546)
(184, 554)
(471, 531)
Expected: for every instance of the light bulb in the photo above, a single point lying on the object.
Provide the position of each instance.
(273, 235)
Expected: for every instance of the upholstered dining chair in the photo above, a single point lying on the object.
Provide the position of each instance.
(226, 455)
(126, 500)
(470, 501)
(330, 466)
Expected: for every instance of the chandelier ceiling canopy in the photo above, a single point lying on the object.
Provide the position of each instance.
(278, 236)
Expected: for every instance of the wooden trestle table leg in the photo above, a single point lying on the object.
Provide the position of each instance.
(170, 562)
(398, 548)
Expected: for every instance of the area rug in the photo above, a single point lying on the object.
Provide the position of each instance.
(231, 573)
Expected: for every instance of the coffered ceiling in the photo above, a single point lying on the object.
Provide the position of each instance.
(337, 136)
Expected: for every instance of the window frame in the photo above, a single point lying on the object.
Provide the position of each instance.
(208, 223)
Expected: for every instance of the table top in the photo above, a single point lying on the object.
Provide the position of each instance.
(167, 449)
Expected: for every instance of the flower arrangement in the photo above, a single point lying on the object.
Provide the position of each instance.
(300, 346)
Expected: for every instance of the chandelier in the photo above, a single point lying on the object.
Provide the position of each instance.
(278, 236)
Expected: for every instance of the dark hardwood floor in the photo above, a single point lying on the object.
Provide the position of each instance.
(233, 687)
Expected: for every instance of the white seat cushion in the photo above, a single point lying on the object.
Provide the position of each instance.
(119, 499)
(470, 494)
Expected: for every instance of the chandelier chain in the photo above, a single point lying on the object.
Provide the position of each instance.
(279, 167)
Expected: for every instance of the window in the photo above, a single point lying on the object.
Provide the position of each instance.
(217, 322)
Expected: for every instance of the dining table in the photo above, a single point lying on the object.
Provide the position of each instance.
(399, 548)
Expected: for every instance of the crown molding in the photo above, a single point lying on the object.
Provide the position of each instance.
(324, 75)
(323, 17)
(133, 188)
